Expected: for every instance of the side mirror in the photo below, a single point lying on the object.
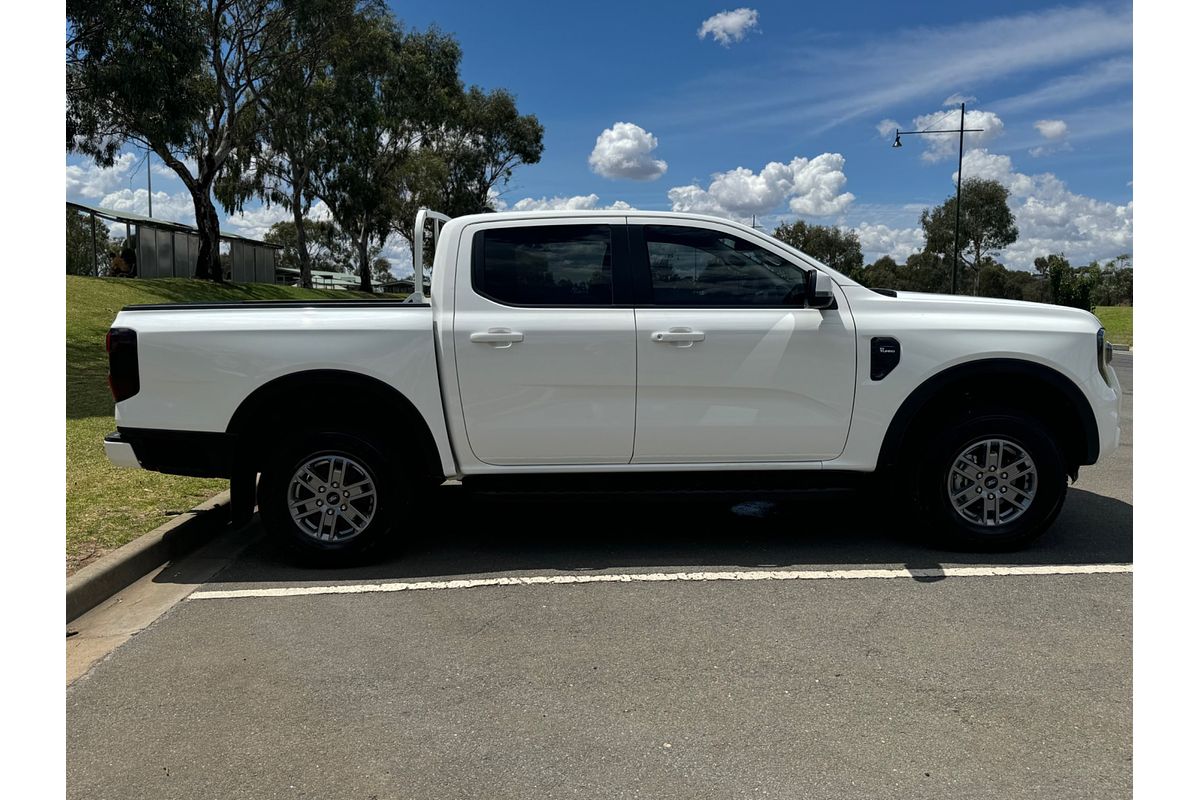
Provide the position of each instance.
(820, 290)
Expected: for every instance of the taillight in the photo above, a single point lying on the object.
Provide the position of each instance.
(121, 344)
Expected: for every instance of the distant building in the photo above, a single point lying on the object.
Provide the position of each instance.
(321, 279)
(165, 249)
(401, 286)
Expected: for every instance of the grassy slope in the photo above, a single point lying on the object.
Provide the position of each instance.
(1118, 322)
(106, 506)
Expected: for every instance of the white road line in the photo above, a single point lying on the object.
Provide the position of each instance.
(663, 577)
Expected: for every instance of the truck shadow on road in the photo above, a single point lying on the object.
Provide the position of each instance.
(460, 536)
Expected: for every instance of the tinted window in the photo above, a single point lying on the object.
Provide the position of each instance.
(699, 267)
(546, 265)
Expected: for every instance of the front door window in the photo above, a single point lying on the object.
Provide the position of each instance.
(704, 267)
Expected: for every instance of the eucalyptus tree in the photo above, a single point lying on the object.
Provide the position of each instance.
(295, 113)
(987, 224)
(180, 78)
(389, 88)
(483, 142)
(466, 160)
(327, 249)
(829, 244)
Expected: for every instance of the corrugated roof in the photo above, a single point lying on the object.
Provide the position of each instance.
(139, 219)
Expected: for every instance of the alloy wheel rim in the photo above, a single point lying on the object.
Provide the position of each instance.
(332, 498)
(992, 482)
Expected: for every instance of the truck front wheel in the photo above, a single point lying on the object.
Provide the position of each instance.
(325, 495)
(993, 481)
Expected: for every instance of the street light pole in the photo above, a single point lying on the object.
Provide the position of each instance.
(962, 118)
(961, 130)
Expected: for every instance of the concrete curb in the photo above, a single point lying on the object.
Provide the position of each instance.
(1123, 348)
(108, 575)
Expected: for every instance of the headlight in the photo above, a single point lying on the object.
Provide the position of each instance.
(1104, 353)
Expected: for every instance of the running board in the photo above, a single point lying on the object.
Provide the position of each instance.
(673, 485)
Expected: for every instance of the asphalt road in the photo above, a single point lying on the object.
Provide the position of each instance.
(1006, 687)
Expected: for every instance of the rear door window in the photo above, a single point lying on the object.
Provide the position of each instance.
(545, 265)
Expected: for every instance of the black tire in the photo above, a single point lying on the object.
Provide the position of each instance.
(1027, 519)
(347, 538)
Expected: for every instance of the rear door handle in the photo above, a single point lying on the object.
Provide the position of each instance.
(501, 337)
(681, 337)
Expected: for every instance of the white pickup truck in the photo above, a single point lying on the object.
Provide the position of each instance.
(596, 351)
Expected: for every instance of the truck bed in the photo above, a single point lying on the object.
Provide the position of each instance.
(184, 348)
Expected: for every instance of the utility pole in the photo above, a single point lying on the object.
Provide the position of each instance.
(149, 188)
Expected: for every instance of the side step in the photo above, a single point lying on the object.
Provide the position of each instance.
(669, 485)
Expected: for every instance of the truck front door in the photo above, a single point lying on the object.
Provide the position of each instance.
(731, 367)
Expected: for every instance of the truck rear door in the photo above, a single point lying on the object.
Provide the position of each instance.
(546, 360)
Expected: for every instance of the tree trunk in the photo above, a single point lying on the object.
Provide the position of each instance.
(208, 261)
(301, 243)
(364, 262)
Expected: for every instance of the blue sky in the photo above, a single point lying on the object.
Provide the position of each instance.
(784, 110)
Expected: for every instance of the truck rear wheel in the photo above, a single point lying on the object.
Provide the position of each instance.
(327, 496)
(993, 481)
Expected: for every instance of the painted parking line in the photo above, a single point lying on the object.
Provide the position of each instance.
(666, 577)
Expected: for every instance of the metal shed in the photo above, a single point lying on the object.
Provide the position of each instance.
(168, 249)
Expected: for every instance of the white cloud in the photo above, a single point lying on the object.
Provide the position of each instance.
(399, 255)
(879, 240)
(945, 145)
(579, 202)
(1055, 132)
(89, 180)
(811, 187)
(1053, 219)
(728, 27)
(1051, 128)
(255, 223)
(887, 128)
(161, 169)
(958, 98)
(624, 151)
(995, 167)
(176, 207)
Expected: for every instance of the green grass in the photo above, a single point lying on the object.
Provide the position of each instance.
(107, 506)
(1118, 322)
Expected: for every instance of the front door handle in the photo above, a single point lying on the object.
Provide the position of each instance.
(499, 337)
(680, 337)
